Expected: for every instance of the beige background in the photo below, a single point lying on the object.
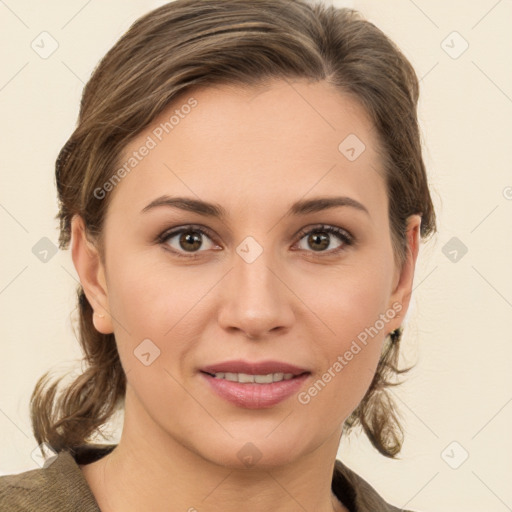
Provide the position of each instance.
(459, 328)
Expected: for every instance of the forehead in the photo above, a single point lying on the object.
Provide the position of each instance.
(253, 146)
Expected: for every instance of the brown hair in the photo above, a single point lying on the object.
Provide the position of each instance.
(190, 43)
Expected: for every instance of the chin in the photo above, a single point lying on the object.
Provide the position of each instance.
(258, 454)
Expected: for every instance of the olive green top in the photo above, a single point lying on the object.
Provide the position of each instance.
(60, 486)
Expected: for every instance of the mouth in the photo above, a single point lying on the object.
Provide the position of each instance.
(255, 385)
(263, 372)
(246, 378)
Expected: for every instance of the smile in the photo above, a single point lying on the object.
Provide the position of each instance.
(257, 379)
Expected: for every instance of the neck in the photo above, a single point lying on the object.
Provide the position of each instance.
(152, 470)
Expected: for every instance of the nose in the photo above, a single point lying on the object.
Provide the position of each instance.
(256, 299)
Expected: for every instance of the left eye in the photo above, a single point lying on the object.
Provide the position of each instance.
(322, 234)
(191, 239)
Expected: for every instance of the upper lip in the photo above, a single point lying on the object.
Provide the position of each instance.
(254, 368)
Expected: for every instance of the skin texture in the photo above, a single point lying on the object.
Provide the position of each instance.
(254, 151)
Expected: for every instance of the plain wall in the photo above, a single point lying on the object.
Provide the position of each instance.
(458, 330)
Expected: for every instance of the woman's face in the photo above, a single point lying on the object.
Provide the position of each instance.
(265, 282)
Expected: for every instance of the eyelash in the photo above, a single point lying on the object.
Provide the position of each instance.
(343, 235)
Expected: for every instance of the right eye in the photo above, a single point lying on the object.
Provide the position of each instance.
(189, 240)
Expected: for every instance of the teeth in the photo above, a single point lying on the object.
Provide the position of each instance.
(258, 379)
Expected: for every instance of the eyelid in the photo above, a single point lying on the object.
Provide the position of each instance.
(186, 227)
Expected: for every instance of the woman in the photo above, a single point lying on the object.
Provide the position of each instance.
(219, 142)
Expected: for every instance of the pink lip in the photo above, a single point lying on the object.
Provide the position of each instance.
(253, 368)
(252, 395)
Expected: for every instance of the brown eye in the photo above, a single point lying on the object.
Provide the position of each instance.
(186, 240)
(319, 239)
(190, 240)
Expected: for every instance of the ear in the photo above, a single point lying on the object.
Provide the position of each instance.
(91, 272)
(404, 277)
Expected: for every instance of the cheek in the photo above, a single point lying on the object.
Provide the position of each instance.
(151, 299)
(353, 306)
(350, 299)
(153, 307)
(147, 293)
(141, 303)
(350, 358)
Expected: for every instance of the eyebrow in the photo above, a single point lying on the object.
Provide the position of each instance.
(302, 207)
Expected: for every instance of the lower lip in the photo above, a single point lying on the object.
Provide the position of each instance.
(255, 396)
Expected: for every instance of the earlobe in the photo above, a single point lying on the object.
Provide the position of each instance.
(91, 272)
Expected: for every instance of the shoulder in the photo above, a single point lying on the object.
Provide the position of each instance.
(357, 492)
(59, 485)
